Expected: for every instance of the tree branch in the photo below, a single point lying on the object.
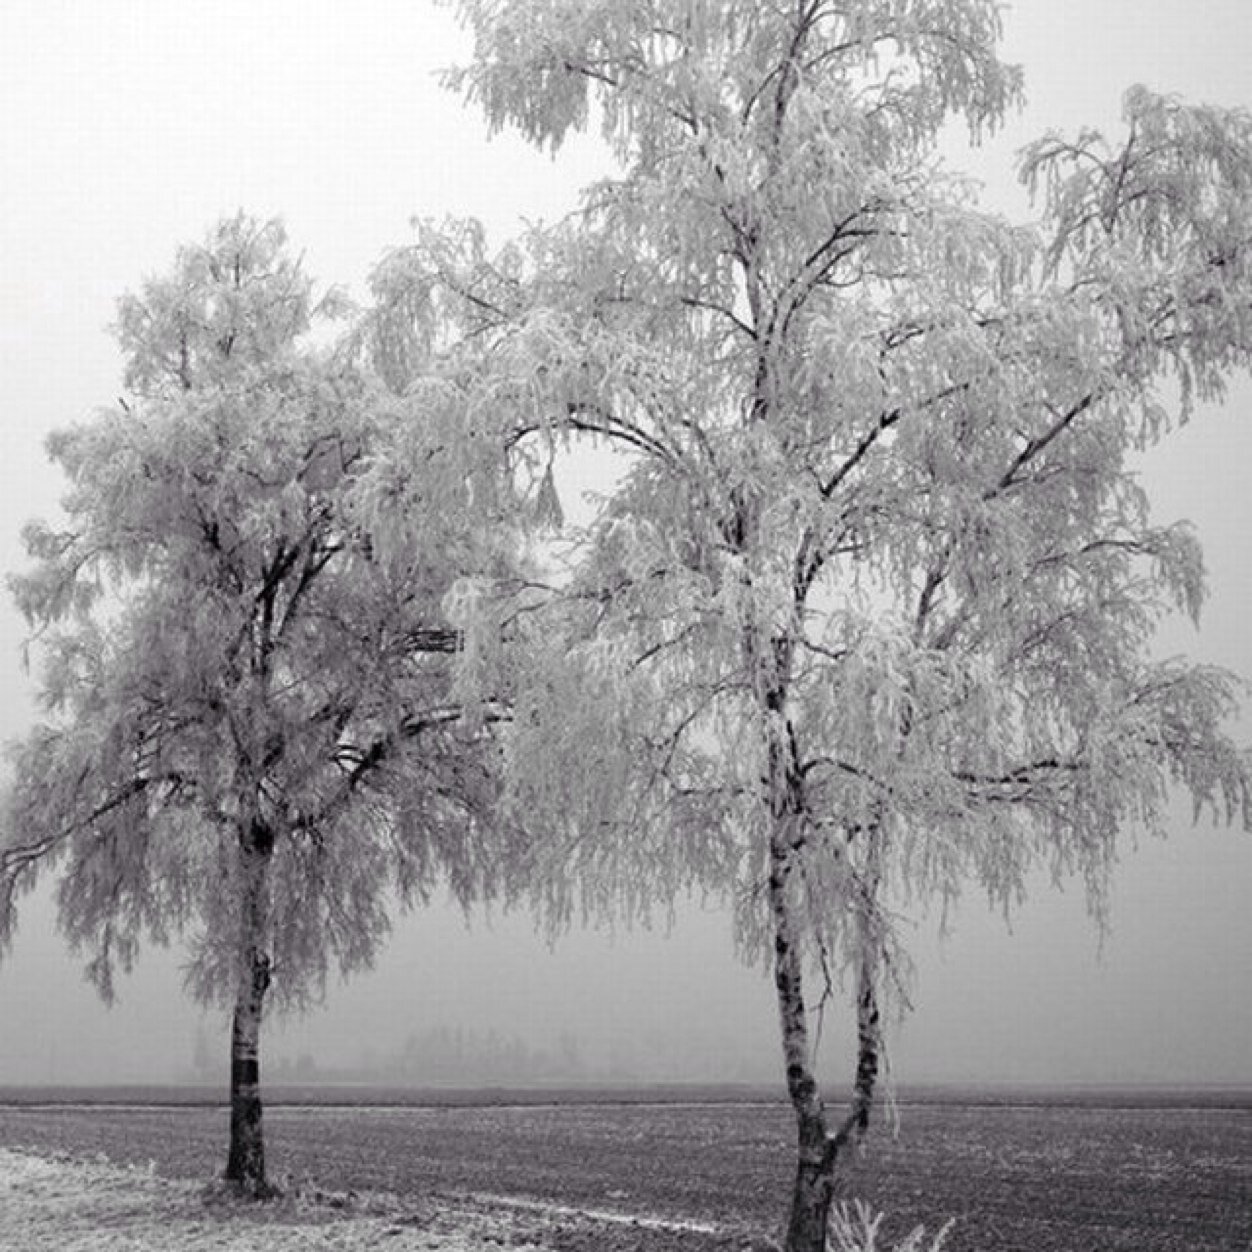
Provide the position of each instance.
(1038, 444)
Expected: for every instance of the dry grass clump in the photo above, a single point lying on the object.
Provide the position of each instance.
(855, 1228)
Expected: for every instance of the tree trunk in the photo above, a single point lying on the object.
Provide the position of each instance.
(816, 1150)
(868, 1043)
(245, 1166)
(868, 1017)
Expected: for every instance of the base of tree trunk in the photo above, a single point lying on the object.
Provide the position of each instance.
(253, 1189)
(245, 1162)
(810, 1208)
(246, 1168)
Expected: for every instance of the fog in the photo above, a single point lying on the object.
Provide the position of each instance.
(129, 126)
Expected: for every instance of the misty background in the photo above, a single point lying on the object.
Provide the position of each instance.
(127, 127)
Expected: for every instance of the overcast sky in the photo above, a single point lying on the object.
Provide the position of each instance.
(128, 126)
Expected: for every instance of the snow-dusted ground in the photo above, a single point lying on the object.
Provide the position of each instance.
(73, 1206)
(94, 1206)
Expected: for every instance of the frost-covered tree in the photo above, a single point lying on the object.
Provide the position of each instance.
(868, 617)
(251, 737)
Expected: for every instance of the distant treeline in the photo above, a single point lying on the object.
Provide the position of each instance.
(446, 1055)
(443, 1055)
(439, 1056)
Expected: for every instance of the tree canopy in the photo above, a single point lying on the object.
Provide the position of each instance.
(252, 735)
(869, 618)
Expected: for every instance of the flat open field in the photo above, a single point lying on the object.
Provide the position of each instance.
(1059, 1176)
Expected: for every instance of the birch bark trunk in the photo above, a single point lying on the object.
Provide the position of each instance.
(245, 1166)
(868, 1043)
(814, 1179)
(813, 1189)
(868, 1016)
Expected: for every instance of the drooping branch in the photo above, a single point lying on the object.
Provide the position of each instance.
(22, 857)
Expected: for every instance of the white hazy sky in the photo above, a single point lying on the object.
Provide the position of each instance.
(128, 126)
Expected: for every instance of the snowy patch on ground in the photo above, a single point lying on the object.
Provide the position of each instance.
(77, 1206)
(607, 1216)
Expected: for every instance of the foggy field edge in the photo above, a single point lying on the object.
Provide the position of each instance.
(1216, 1096)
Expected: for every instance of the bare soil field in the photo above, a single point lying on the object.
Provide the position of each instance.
(1040, 1177)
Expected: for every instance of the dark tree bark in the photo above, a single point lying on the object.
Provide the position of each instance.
(868, 1015)
(817, 1146)
(816, 1149)
(813, 1188)
(245, 1166)
(868, 1046)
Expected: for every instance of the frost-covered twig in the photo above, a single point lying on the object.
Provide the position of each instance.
(854, 1228)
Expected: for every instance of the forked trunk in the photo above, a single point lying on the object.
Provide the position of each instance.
(245, 1166)
(816, 1148)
